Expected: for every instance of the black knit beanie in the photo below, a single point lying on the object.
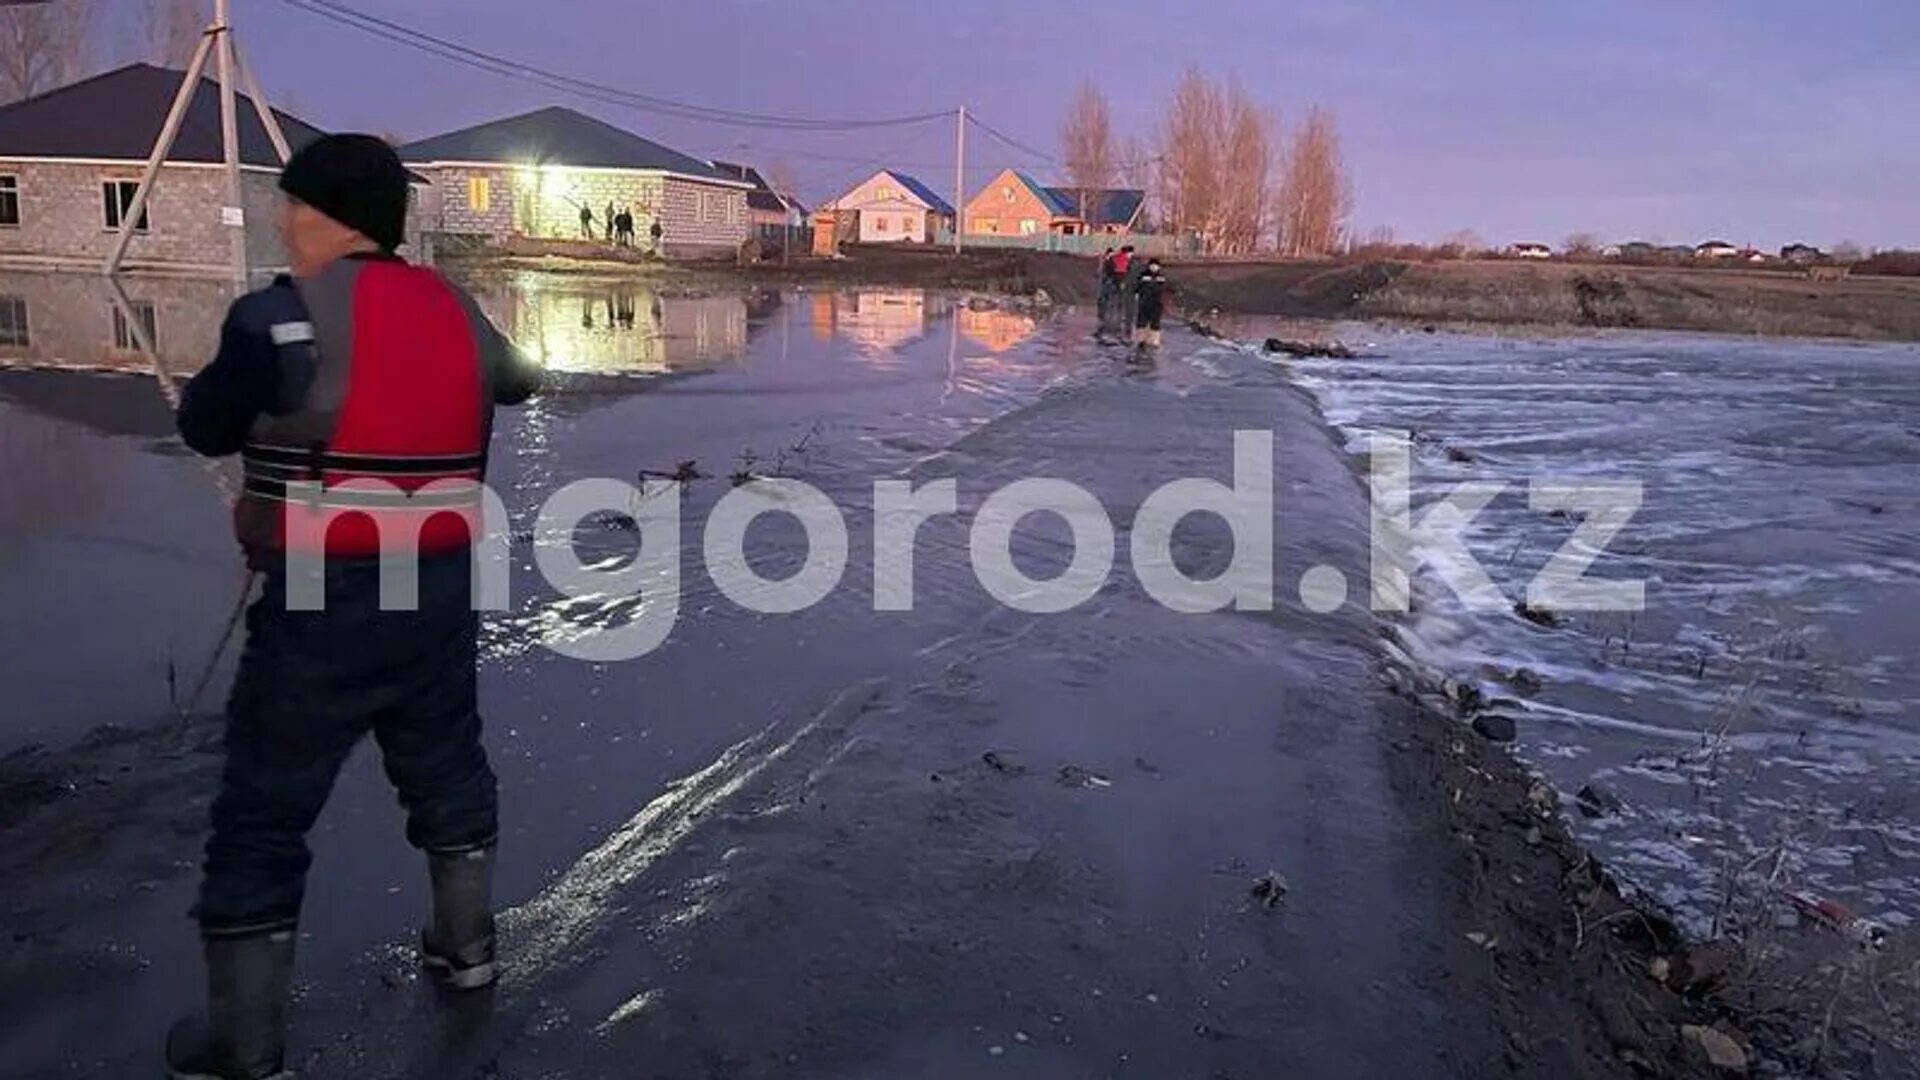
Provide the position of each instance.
(357, 180)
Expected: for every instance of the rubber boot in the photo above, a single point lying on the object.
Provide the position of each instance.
(243, 1036)
(458, 947)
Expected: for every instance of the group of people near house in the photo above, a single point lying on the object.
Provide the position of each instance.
(617, 226)
(1133, 293)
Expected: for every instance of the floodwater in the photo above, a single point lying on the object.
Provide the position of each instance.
(1760, 719)
(833, 843)
(845, 842)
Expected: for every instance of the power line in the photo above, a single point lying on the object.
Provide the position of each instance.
(500, 65)
(1011, 141)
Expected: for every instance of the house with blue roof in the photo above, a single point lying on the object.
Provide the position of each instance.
(1015, 204)
(891, 207)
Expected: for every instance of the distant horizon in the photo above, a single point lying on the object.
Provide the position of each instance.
(1758, 123)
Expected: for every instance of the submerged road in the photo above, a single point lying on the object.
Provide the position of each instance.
(958, 841)
(1015, 844)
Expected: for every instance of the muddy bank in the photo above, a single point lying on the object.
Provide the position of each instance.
(1649, 298)
(1497, 294)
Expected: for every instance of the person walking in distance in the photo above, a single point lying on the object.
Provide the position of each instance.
(1104, 304)
(1150, 302)
(359, 392)
(1126, 274)
(586, 221)
(610, 220)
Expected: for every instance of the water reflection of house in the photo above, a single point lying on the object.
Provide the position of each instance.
(617, 327)
(54, 320)
(876, 320)
(994, 329)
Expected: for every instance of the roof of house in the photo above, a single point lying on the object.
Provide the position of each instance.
(1105, 206)
(557, 135)
(1715, 244)
(762, 197)
(118, 116)
(921, 191)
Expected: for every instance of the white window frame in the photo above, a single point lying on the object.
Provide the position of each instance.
(10, 187)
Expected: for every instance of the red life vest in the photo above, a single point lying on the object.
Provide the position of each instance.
(386, 452)
(1122, 262)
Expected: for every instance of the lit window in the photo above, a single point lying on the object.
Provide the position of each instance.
(884, 194)
(117, 198)
(125, 337)
(1028, 226)
(13, 321)
(479, 194)
(9, 200)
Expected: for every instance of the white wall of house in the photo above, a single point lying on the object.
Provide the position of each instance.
(893, 224)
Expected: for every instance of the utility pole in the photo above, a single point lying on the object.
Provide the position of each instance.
(233, 214)
(217, 41)
(960, 183)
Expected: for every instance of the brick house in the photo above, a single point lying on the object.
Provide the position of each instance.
(71, 159)
(766, 208)
(893, 208)
(1015, 204)
(530, 176)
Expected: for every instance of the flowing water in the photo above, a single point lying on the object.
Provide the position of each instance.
(1760, 719)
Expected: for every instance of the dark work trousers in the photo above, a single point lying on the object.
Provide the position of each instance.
(311, 684)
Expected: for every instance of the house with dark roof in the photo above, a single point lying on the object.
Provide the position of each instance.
(71, 159)
(767, 208)
(1015, 204)
(891, 207)
(534, 174)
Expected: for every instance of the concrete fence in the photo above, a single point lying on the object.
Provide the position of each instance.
(1153, 245)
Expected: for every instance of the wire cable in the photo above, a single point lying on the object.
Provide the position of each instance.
(456, 52)
(1010, 141)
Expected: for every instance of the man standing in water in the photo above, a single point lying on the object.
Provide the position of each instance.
(1150, 303)
(347, 388)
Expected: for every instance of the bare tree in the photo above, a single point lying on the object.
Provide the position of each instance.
(42, 46)
(1190, 175)
(1087, 145)
(1459, 244)
(1315, 194)
(1246, 162)
(174, 28)
(1581, 245)
(1134, 166)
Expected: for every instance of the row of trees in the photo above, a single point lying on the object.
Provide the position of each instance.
(47, 45)
(1219, 167)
